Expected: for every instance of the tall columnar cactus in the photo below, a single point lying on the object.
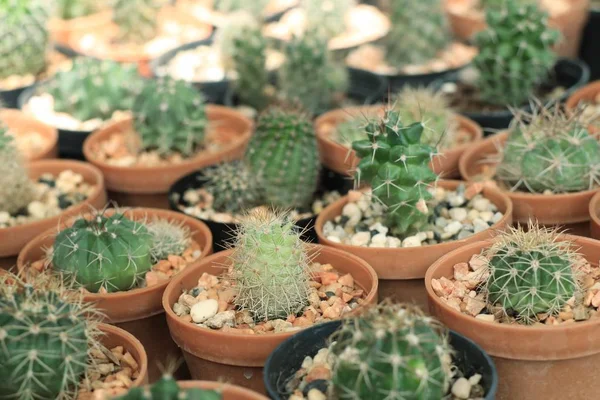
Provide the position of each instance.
(270, 266)
(393, 351)
(531, 272)
(255, 7)
(283, 154)
(24, 37)
(46, 333)
(168, 238)
(395, 163)
(169, 116)
(137, 19)
(111, 253)
(69, 9)
(167, 388)
(515, 53)
(233, 185)
(327, 16)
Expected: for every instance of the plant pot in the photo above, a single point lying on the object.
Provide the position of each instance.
(287, 358)
(140, 186)
(533, 362)
(138, 311)
(594, 209)
(587, 94)
(19, 123)
(343, 160)
(15, 238)
(228, 391)
(61, 29)
(239, 358)
(569, 210)
(366, 87)
(401, 270)
(589, 45)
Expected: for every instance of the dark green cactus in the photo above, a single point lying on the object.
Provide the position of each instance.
(168, 238)
(233, 185)
(137, 19)
(167, 388)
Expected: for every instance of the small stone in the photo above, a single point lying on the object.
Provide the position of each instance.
(280, 325)
(477, 262)
(180, 309)
(461, 271)
(480, 225)
(474, 306)
(486, 317)
(580, 313)
(456, 200)
(4, 217)
(318, 384)
(486, 215)
(334, 239)
(353, 213)
(441, 222)
(317, 372)
(379, 227)
(360, 239)
(481, 204)
(463, 234)
(453, 228)
(461, 388)
(393, 242)
(347, 280)
(316, 394)
(497, 217)
(475, 379)
(472, 214)
(221, 319)
(411, 241)
(378, 240)
(36, 209)
(204, 310)
(458, 214)
(596, 300)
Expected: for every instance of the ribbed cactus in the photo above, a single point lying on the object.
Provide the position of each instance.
(110, 253)
(254, 7)
(168, 238)
(515, 53)
(531, 272)
(395, 163)
(137, 19)
(349, 131)
(69, 9)
(283, 154)
(46, 333)
(169, 116)
(233, 185)
(392, 351)
(270, 266)
(327, 16)
(24, 37)
(167, 388)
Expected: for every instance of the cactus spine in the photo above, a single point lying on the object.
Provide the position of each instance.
(137, 19)
(233, 185)
(327, 16)
(167, 388)
(168, 238)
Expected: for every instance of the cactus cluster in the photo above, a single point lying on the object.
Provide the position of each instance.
(167, 388)
(170, 116)
(327, 16)
(168, 238)
(270, 266)
(392, 351)
(515, 53)
(69, 9)
(254, 7)
(136, 19)
(233, 185)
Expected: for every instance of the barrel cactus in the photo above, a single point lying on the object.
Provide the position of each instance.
(168, 238)
(392, 351)
(137, 19)
(328, 16)
(69, 9)
(233, 185)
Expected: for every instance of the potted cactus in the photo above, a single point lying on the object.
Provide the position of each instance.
(536, 288)
(53, 346)
(361, 357)
(75, 15)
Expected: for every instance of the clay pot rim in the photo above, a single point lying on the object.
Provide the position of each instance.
(581, 94)
(452, 11)
(191, 327)
(593, 207)
(50, 139)
(95, 137)
(508, 328)
(319, 223)
(200, 227)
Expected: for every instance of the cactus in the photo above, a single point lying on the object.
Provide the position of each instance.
(349, 131)
(169, 116)
(283, 155)
(255, 7)
(270, 266)
(167, 388)
(137, 19)
(168, 238)
(46, 333)
(327, 16)
(69, 9)
(499, 4)
(395, 163)
(515, 53)
(110, 253)
(531, 272)
(392, 351)
(233, 185)
(24, 37)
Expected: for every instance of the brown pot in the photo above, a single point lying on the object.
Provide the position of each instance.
(62, 29)
(149, 186)
(588, 94)
(19, 123)
(138, 311)
(118, 337)
(533, 362)
(594, 209)
(569, 23)
(401, 270)
(230, 392)
(343, 160)
(239, 358)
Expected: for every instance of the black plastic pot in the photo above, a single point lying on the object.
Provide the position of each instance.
(222, 232)
(590, 44)
(287, 358)
(366, 87)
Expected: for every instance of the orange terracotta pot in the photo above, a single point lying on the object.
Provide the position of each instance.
(114, 337)
(342, 160)
(594, 209)
(401, 270)
(588, 94)
(239, 358)
(20, 123)
(570, 23)
(62, 29)
(533, 362)
(149, 186)
(229, 392)
(138, 311)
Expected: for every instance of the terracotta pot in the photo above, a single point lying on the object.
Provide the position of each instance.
(138, 311)
(589, 94)
(401, 270)
(567, 210)
(118, 337)
(594, 209)
(239, 358)
(141, 185)
(230, 392)
(533, 362)
(62, 29)
(19, 123)
(341, 159)
(569, 23)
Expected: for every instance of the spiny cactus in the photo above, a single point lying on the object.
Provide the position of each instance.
(515, 53)
(137, 19)
(233, 185)
(499, 4)
(110, 253)
(168, 238)
(46, 333)
(283, 154)
(349, 131)
(395, 163)
(254, 7)
(69, 9)
(392, 351)
(170, 115)
(24, 37)
(167, 388)
(270, 266)
(327, 16)
(531, 272)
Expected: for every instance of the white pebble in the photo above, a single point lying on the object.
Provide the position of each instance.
(393, 242)
(378, 240)
(352, 211)
(315, 394)
(458, 214)
(422, 236)
(411, 241)
(36, 209)
(453, 228)
(475, 379)
(479, 225)
(497, 217)
(461, 388)
(441, 222)
(472, 214)
(360, 238)
(486, 317)
(481, 204)
(379, 227)
(334, 239)
(204, 310)
(221, 319)
(321, 356)
(4, 217)
(486, 215)
(456, 200)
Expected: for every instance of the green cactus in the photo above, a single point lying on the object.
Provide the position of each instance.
(500, 4)
(270, 266)
(531, 272)
(327, 16)
(395, 163)
(168, 238)
(283, 155)
(167, 388)
(255, 7)
(515, 53)
(392, 351)
(46, 333)
(349, 131)
(24, 37)
(111, 253)
(170, 116)
(69, 9)
(233, 185)
(137, 19)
